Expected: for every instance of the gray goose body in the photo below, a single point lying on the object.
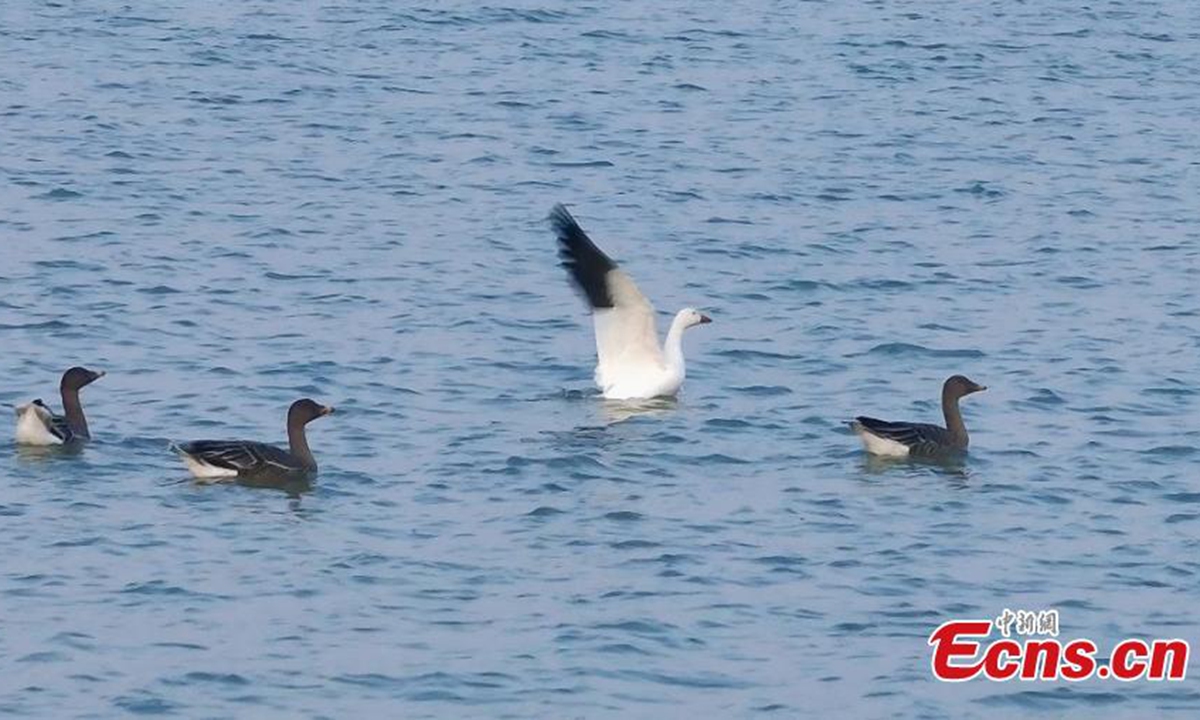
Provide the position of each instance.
(900, 439)
(57, 424)
(919, 438)
(242, 457)
(228, 459)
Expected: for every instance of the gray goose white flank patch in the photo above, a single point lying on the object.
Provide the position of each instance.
(216, 460)
(631, 365)
(902, 439)
(38, 425)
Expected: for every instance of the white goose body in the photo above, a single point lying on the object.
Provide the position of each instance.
(638, 369)
(631, 365)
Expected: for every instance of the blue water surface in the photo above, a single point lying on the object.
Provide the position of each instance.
(231, 205)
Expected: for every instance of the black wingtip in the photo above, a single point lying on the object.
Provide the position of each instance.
(587, 264)
(562, 220)
(869, 423)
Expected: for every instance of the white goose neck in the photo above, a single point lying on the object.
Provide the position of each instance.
(673, 346)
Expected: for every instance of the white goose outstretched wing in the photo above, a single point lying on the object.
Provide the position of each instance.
(626, 336)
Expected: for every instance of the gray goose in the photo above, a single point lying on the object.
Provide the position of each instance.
(38, 425)
(215, 460)
(902, 439)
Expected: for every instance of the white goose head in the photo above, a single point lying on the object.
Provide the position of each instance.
(690, 317)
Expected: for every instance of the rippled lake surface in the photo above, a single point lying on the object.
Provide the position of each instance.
(228, 208)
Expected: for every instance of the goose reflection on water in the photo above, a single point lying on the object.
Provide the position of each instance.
(293, 487)
(952, 466)
(47, 453)
(619, 411)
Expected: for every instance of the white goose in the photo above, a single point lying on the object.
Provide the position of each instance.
(630, 363)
